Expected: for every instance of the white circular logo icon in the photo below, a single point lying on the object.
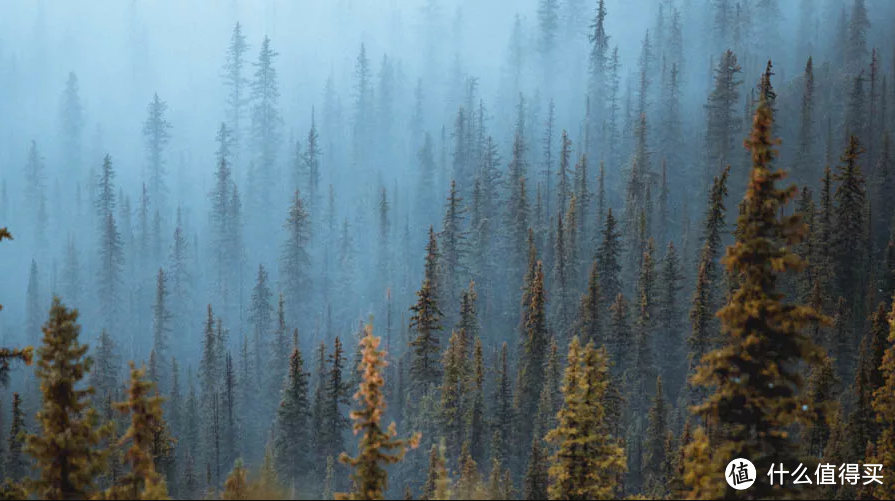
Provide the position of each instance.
(740, 474)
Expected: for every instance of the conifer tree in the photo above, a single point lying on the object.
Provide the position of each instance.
(236, 82)
(849, 227)
(295, 261)
(475, 415)
(858, 25)
(318, 409)
(426, 322)
(142, 481)
(33, 307)
(535, 348)
(15, 464)
(236, 487)
(311, 163)
(655, 462)
(261, 318)
(504, 414)
(374, 452)
(35, 193)
(589, 316)
(453, 389)
(668, 312)
(607, 258)
(535, 484)
(618, 335)
(757, 398)
(155, 132)
(66, 451)
(468, 481)
(278, 364)
(822, 389)
(161, 318)
(858, 426)
(722, 125)
(805, 158)
(336, 396)
(292, 436)
(266, 122)
(110, 250)
(453, 252)
(884, 406)
(588, 460)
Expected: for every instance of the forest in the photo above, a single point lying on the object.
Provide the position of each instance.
(446, 249)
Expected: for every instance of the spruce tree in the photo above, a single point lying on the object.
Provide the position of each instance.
(504, 414)
(453, 251)
(618, 336)
(295, 261)
(156, 135)
(265, 127)
(15, 464)
(588, 460)
(535, 348)
(884, 406)
(607, 258)
(453, 389)
(426, 322)
(161, 318)
(143, 481)
(370, 480)
(655, 462)
(805, 158)
(849, 227)
(261, 319)
(476, 425)
(669, 315)
(237, 83)
(292, 436)
(722, 124)
(66, 451)
(589, 311)
(536, 481)
(757, 399)
(334, 422)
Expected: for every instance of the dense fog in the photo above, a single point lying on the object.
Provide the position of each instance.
(215, 183)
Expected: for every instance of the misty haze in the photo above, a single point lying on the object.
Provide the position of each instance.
(572, 249)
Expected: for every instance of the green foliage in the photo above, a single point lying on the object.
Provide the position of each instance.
(292, 436)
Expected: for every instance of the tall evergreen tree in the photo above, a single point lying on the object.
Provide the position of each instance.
(15, 464)
(755, 404)
(426, 322)
(143, 481)
(266, 122)
(588, 460)
(233, 73)
(722, 124)
(161, 318)
(261, 319)
(292, 437)
(850, 227)
(884, 406)
(535, 346)
(370, 479)
(66, 451)
(295, 260)
(156, 135)
(608, 259)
